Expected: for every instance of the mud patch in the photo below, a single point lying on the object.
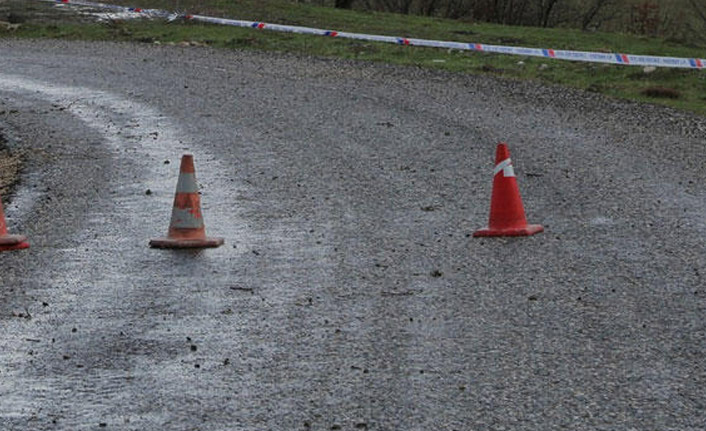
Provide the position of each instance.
(10, 164)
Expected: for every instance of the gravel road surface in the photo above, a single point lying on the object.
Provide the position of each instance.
(349, 294)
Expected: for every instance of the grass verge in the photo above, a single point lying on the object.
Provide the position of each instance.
(682, 89)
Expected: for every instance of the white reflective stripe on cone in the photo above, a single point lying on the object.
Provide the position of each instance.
(186, 219)
(506, 167)
(187, 183)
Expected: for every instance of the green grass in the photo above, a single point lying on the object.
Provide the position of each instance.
(617, 81)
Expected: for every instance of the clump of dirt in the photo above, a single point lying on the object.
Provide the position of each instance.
(661, 92)
(491, 69)
(9, 168)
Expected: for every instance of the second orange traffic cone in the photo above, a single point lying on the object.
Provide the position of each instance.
(507, 215)
(186, 228)
(10, 242)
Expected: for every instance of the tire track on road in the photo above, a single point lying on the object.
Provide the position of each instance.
(100, 284)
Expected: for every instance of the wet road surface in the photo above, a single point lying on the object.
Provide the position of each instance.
(349, 294)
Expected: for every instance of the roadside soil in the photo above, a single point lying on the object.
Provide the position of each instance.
(14, 14)
(9, 168)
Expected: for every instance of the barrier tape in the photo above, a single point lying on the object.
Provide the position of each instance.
(584, 56)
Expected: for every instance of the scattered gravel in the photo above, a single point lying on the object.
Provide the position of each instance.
(368, 305)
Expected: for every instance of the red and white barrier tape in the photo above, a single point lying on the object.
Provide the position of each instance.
(591, 57)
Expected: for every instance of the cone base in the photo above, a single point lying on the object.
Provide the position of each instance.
(520, 231)
(186, 243)
(13, 242)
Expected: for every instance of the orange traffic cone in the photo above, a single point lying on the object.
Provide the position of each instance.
(10, 242)
(507, 215)
(186, 229)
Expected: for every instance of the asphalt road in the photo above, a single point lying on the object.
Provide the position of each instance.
(349, 294)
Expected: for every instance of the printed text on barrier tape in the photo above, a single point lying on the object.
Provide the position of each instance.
(591, 57)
